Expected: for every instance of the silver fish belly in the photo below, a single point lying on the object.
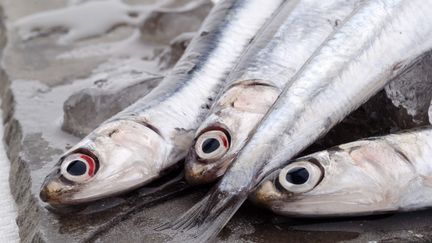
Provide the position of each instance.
(371, 47)
(377, 175)
(266, 68)
(138, 144)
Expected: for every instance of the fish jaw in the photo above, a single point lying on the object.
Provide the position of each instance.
(53, 190)
(199, 172)
(236, 113)
(128, 154)
(267, 193)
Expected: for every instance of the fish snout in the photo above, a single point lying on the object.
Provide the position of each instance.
(201, 172)
(44, 195)
(198, 171)
(266, 193)
(195, 174)
(195, 171)
(54, 190)
(51, 192)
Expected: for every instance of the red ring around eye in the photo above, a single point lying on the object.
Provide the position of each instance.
(90, 162)
(224, 141)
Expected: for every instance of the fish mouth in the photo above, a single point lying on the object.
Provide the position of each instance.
(55, 191)
(197, 172)
(268, 190)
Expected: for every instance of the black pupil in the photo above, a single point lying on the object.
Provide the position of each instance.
(210, 145)
(297, 176)
(77, 168)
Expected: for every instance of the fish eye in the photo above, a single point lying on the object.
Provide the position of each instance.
(297, 176)
(212, 145)
(300, 177)
(78, 167)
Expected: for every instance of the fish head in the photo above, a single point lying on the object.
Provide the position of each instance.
(117, 157)
(225, 131)
(209, 156)
(350, 180)
(286, 185)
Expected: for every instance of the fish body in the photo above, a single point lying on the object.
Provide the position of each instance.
(140, 143)
(263, 72)
(379, 40)
(376, 175)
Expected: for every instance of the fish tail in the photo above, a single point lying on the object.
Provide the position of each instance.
(206, 219)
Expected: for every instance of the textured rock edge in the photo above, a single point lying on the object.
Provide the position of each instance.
(20, 179)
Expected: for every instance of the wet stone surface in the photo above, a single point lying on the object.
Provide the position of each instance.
(430, 113)
(55, 91)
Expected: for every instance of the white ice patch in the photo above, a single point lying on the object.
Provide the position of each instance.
(89, 19)
(399, 98)
(8, 212)
(85, 20)
(132, 46)
(78, 21)
(411, 90)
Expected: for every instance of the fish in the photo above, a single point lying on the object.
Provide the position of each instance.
(148, 138)
(263, 72)
(370, 176)
(374, 44)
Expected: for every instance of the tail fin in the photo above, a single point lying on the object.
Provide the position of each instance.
(207, 218)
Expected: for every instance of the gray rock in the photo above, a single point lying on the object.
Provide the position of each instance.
(430, 113)
(87, 108)
(163, 25)
(412, 91)
(34, 87)
(177, 46)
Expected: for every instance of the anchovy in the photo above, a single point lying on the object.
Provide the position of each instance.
(140, 143)
(376, 175)
(373, 45)
(264, 71)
